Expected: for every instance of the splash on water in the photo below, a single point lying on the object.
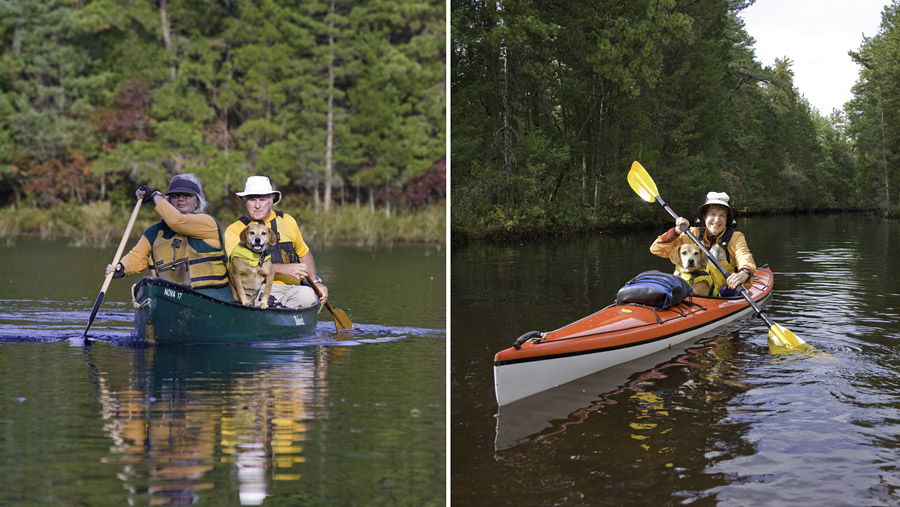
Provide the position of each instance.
(56, 321)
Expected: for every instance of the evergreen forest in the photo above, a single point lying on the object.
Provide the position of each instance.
(337, 101)
(552, 102)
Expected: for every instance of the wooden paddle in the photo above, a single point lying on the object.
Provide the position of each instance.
(643, 185)
(134, 214)
(341, 320)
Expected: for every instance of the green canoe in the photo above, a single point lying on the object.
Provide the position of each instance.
(169, 313)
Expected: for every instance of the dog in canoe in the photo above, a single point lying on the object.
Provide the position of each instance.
(691, 264)
(250, 271)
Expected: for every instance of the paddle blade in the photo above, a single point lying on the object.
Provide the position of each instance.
(94, 312)
(780, 336)
(341, 320)
(642, 183)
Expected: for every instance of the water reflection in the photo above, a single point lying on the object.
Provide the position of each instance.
(182, 412)
(701, 371)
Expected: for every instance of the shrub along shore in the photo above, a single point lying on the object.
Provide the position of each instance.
(103, 223)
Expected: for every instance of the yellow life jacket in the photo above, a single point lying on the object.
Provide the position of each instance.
(187, 261)
(719, 249)
(256, 259)
(700, 276)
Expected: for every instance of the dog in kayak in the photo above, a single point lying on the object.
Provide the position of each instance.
(250, 271)
(691, 264)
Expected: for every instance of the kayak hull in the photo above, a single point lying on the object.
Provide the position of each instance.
(171, 314)
(612, 336)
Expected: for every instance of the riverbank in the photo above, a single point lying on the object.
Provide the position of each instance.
(102, 223)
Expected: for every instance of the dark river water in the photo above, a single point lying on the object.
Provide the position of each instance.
(355, 419)
(719, 421)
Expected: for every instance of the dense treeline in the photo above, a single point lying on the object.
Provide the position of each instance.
(552, 101)
(337, 99)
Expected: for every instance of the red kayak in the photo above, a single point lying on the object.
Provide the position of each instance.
(614, 335)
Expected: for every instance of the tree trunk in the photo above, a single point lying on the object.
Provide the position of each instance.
(507, 156)
(329, 139)
(887, 179)
(167, 38)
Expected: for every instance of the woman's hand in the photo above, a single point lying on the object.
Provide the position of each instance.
(118, 270)
(679, 222)
(737, 278)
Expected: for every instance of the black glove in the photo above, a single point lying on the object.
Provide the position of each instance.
(149, 193)
(120, 271)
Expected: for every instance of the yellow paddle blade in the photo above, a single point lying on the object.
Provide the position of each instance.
(780, 336)
(341, 320)
(642, 183)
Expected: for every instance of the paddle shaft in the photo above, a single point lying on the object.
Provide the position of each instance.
(137, 208)
(687, 230)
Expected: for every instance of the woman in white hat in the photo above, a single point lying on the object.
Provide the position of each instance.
(716, 228)
(185, 246)
(291, 258)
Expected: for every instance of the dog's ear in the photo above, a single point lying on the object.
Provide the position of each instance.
(244, 234)
(272, 239)
(703, 258)
(675, 256)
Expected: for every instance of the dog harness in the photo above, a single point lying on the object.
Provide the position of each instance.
(256, 259)
(187, 261)
(699, 276)
(283, 252)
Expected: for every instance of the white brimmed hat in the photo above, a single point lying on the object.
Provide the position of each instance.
(259, 185)
(720, 199)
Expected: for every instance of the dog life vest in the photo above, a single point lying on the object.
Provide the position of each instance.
(700, 276)
(256, 259)
(719, 249)
(283, 252)
(187, 261)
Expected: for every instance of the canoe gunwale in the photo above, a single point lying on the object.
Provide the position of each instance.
(159, 282)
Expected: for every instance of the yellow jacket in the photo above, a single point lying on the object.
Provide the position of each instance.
(738, 253)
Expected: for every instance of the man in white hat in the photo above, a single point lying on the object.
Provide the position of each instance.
(291, 258)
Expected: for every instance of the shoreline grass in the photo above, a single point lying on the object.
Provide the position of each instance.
(102, 223)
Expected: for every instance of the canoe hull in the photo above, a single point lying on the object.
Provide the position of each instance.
(612, 336)
(167, 313)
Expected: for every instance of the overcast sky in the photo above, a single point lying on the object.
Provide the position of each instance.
(815, 35)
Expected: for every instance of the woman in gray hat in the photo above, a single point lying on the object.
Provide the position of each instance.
(716, 228)
(186, 246)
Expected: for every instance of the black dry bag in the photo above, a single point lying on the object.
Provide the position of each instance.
(654, 288)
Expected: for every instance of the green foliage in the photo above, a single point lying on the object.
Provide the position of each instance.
(874, 114)
(225, 90)
(552, 105)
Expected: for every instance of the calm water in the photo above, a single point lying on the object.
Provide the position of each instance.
(329, 420)
(719, 421)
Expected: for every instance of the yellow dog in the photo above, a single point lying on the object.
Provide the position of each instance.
(691, 264)
(250, 266)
